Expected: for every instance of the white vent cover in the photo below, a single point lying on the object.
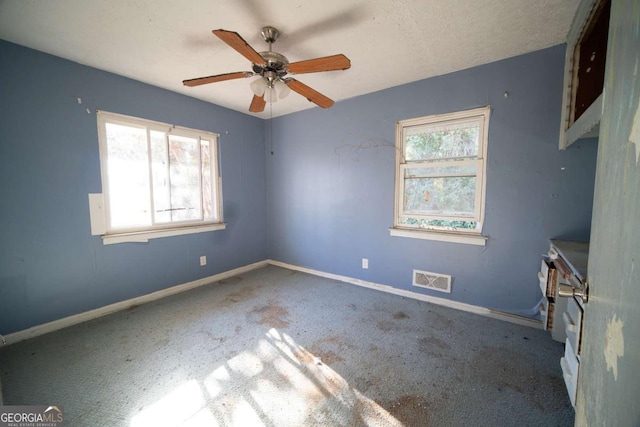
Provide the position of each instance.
(433, 281)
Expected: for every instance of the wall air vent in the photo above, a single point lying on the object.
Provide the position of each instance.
(433, 281)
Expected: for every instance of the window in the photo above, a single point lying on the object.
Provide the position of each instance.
(157, 177)
(440, 176)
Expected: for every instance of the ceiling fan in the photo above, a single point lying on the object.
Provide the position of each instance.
(273, 69)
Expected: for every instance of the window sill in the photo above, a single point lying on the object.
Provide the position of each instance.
(144, 236)
(441, 236)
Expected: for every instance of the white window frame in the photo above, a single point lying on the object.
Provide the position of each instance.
(143, 233)
(474, 237)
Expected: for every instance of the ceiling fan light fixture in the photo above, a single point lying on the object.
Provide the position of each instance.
(270, 95)
(259, 86)
(282, 89)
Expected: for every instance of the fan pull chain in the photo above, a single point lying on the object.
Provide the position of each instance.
(271, 125)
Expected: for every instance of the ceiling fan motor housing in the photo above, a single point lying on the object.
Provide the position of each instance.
(275, 62)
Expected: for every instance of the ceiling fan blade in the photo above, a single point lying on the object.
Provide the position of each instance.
(257, 104)
(217, 78)
(327, 63)
(234, 40)
(311, 94)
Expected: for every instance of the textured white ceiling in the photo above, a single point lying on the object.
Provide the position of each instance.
(162, 42)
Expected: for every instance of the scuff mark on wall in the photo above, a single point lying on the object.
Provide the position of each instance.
(614, 345)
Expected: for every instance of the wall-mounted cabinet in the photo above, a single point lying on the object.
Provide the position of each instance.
(584, 72)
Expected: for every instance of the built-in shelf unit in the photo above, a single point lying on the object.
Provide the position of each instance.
(584, 72)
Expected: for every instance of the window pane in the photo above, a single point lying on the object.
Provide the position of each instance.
(439, 223)
(450, 196)
(442, 141)
(207, 193)
(160, 173)
(128, 176)
(467, 169)
(184, 177)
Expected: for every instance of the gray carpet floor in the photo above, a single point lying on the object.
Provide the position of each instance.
(274, 347)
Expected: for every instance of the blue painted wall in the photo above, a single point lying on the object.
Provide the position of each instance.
(50, 265)
(331, 183)
(323, 200)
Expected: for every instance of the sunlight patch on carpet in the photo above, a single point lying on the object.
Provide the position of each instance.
(279, 382)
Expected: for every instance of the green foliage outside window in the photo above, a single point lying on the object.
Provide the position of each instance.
(441, 195)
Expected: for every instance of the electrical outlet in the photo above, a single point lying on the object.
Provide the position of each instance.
(203, 260)
(365, 263)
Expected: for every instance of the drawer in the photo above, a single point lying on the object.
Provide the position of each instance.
(575, 312)
(572, 319)
(550, 321)
(544, 269)
(544, 314)
(570, 366)
(570, 356)
(542, 278)
(548, 278)
(558, 330)
(570, 380)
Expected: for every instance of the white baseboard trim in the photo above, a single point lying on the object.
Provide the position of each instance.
(495, 314)
(123, 305)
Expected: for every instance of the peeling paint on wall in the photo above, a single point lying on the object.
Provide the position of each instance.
(614, 345)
